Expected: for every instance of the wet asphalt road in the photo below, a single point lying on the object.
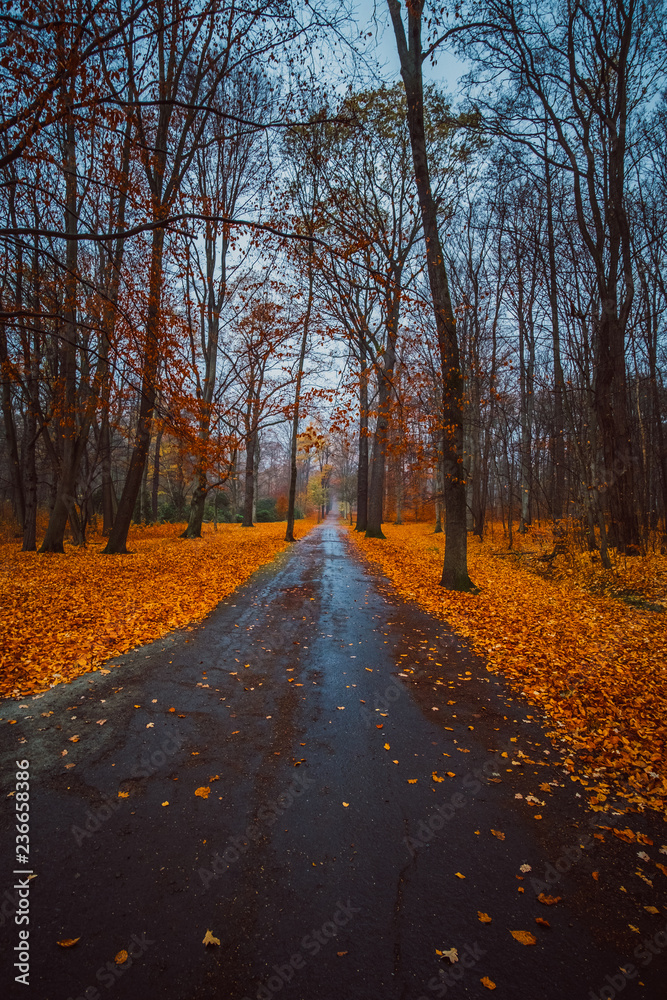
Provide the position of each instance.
(323, 867)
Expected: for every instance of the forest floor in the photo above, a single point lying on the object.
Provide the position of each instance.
(587, 647)
(64, 615)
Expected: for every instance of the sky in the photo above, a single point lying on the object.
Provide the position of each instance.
(446, 72)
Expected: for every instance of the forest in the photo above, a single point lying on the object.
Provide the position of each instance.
(246, 270)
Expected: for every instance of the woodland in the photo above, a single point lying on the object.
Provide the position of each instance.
(244, 272)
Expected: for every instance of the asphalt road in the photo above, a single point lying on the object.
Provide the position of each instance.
(316, 708)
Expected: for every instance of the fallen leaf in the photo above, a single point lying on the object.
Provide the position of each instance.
(100, 722)
(633, 928)
(499, 834)
(68, 942)
(524, 937)
(652, 909)
(459, 875)
(346, 804)
(341, 953)
(412, 781)
(121, 957)
(150, 725)
(209, 939)
(387, 747)
(483, 918)
(489, 983)
(549, 900)
(542, 922)
(203, 792)
(165, 803)
(74, 739)
(451, 954)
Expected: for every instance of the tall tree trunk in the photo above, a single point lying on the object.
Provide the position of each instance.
(118, 538)
(455, 570)
(617, 447)
(362, 471)
(108, 494)
(155, 485)
(70, 449)
(291, 498)
(18, 499)
(385, 391)
(249, 493)
(558, 425)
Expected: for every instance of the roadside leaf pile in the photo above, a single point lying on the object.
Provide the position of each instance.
(65, 614)
(595, 664)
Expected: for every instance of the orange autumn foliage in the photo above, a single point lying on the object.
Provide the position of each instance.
(596, 665)
(65, 615)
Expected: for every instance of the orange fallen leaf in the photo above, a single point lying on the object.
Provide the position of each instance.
(524, 937)
(489, 983)
(121, 957)
(68, 942)
(203, 792)
(542, 922)
(549, 900)
(499, 834)
(412, 781)
(459, 875)
(483, 918)
(210, 939)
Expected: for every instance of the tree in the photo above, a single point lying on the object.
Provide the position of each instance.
(411, 55)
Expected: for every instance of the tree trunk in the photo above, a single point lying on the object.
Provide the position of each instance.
(362, 472)
(558, 425)
(455, 570)
(71, 452)
(249, 495)
(385, 390)
(118, 538)
(291, 499)
(10, 430)
(155, 485)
